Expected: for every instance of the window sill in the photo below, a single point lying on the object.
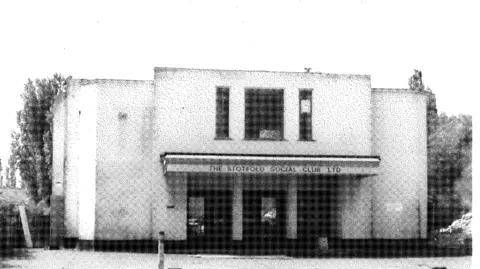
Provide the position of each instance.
(307, 140)
(263, 139)
(222, 138)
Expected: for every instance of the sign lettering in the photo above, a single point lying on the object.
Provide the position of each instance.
(272, 169)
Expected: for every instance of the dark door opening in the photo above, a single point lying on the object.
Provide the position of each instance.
(264, 218)
(209, 218)
(317, 212)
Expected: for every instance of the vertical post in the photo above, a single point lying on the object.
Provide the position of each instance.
(26, 230)
(292, 208)
(237, 208)
(161, 250)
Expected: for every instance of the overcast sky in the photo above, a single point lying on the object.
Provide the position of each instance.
(384, 39)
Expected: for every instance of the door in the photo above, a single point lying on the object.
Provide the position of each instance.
(317, 211)
(264, 217)
(209, 217)
(218, 215)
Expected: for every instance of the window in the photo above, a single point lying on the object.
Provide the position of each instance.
(222, 124)
(269, 211)
(305, 111)
(264, 114)
(195, 216)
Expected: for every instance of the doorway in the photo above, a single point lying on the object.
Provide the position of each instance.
(209, 218)
(264, 218)
(318, 210)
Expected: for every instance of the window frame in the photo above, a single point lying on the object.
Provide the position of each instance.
(218, 128)
(279, 91)
(304, 119)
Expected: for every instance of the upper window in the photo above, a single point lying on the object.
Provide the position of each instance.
(305, 105)
(222, 123)
(264, 114)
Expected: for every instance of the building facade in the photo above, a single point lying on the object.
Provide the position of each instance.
(239, 157)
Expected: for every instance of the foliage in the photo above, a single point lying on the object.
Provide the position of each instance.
(34, 153)
(415, 82)
(450, 176)
(12, 160)
(449, 148)
(432, 113)
(450, 166)
(1, 175)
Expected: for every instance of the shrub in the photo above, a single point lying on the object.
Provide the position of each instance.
(11, 233)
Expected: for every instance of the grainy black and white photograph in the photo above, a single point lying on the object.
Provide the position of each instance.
(237, 134)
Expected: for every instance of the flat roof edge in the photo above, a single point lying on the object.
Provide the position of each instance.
(83, 81)
(164, 69)
(270, 155)
(405, 90)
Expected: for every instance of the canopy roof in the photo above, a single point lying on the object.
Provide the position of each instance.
(269, 164)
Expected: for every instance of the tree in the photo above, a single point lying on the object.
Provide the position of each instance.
(450, 172)
(12, 160)
(34, 154)
(432, 126)
(449, 147)
(432, 113)
(1, 175)
(416, 82)
(463, 185)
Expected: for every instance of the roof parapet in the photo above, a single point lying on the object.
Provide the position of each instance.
(179, 69)
(405, 90)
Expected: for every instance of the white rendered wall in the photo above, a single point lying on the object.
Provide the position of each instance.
(125, 181)
(70, 157)
(59, 122)
(400, 189)
(355, 207)
(57, 218)
(174, 222)
(186, 112)
(86, 182)
(74, 158)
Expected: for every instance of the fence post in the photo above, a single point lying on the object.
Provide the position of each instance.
(26, 229)
(161, 250)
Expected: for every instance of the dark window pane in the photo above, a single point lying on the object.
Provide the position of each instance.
(305, 105)
(222, 124)
(195, 216)
(264, 114)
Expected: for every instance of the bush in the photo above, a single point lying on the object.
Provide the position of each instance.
(11, 233)
(457, 235)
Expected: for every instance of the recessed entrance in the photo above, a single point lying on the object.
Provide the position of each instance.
(209, 218)
(318, 202)
(264, 218)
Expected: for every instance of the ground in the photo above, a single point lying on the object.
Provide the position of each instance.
(71, 259)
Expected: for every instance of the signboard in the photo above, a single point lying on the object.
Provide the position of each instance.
(394, 207)
(269, 134)
(306, 106)
(271, 169)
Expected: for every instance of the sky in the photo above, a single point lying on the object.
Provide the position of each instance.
(384, 39)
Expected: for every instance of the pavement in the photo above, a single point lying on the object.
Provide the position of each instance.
(73, 259)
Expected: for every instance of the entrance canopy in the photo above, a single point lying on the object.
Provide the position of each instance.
(269, 164)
